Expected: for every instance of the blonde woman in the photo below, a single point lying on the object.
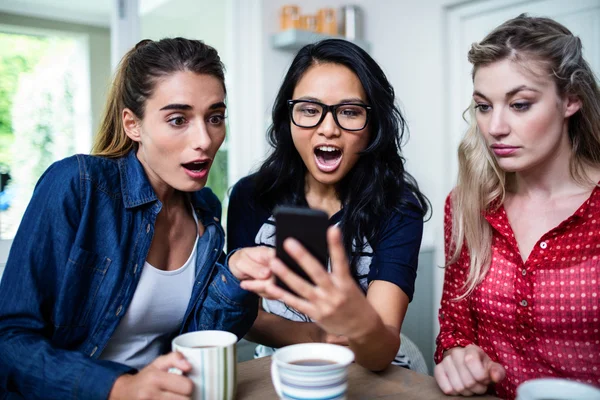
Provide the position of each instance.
(521, 293)
(122, 250)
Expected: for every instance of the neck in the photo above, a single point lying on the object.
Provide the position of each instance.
(321, 196)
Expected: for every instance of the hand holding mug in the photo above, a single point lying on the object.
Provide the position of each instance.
(467, 371)
(155, 382)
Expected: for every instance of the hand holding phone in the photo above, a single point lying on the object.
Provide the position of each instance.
(306, 225)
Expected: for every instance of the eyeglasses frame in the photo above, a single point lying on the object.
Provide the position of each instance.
(328, 108)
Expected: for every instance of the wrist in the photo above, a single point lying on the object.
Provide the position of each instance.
(231, 262)
(317, 334)
(369, 328)
(118, 390)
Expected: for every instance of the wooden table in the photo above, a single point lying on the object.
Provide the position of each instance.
(254, 382)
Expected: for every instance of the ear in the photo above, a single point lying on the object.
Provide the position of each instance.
(572, 104)
(132, 125)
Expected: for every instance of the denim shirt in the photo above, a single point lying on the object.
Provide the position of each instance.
(73, 269)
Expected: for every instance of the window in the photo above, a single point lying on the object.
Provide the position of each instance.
(44, 112)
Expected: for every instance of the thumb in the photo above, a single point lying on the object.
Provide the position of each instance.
(496, 372)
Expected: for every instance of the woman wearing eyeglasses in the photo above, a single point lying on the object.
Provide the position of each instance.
(336, 138)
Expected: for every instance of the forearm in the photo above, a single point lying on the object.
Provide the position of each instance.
(275, 331)
(377, 346)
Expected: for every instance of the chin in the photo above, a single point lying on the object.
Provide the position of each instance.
(513, 166)
(190, 186)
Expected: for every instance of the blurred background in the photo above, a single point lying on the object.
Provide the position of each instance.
(57, 58)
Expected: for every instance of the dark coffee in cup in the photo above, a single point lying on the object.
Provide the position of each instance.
(314, 362)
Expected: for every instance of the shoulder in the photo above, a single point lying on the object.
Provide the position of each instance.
(100, 172)
(77, 169)
(408, 208)
(243, 207)
(448, 204)
(243, 196)
(245, 187)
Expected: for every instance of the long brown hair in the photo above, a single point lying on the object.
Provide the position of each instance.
(135, 80)
(481, 182)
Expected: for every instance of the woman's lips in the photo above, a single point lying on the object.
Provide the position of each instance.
(197, 170)
(504, 151)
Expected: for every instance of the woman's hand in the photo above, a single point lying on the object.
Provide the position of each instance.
(251, 264)
(467, 371)
(334, 302)
(155, 382)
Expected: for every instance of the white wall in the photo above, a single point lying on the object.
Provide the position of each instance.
(202, 20)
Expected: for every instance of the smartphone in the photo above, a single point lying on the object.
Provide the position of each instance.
(306, 225)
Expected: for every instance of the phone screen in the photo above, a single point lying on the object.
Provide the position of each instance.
(306, 225)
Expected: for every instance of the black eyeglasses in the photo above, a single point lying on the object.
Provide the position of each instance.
(310, 113)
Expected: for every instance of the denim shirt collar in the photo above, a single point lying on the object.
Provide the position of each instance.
(136, 187)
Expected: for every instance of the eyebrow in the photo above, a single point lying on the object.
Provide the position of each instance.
(185, 107)
(349, 100)
(510, 93)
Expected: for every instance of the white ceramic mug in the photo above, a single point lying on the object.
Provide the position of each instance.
(311, 371)
(556, 389)
(212, 355)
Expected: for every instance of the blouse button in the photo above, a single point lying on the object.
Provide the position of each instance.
(524, 303)
(524, 272)
(543, 245)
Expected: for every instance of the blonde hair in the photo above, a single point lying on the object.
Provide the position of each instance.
(135, 80)
(481, 182)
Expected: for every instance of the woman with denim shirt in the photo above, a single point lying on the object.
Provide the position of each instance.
(122, 250)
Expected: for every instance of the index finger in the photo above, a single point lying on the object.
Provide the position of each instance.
(337, 252)
(475, 364)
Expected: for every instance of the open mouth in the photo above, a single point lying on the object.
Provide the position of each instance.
(196, 166)
(328, 158)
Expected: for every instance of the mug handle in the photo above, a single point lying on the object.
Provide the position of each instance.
(275, 379)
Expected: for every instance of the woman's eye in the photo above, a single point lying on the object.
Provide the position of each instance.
(216, 119)
(177, 121)
(309, 111)
(521, 106)
(482, 107)
(350, 112)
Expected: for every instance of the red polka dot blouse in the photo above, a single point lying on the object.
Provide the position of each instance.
(540, 318)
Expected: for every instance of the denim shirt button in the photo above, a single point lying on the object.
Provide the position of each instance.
(93, 351)
(119, 310)
(216, 219)
(224, 278)
(135, 268)
(147, 228)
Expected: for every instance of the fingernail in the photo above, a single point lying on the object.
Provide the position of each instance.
(293, 244)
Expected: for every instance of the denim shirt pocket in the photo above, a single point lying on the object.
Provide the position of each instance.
(78, 287)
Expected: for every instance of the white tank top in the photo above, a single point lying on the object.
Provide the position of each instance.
(156, 312)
